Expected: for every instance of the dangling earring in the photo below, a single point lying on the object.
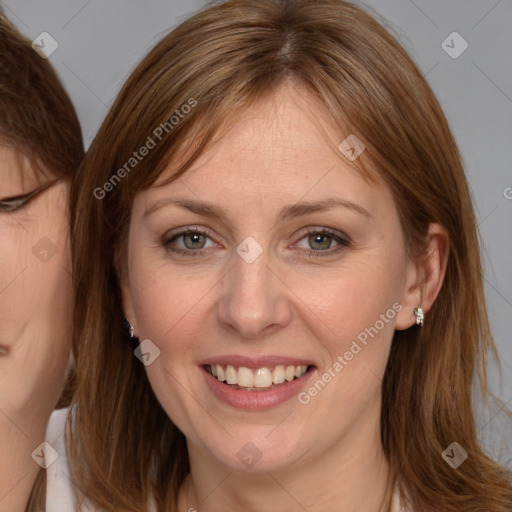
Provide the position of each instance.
(418, 312)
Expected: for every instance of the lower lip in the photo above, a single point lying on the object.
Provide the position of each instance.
(256, 400)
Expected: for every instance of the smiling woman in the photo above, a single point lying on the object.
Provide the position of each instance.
(40, 148)
(306, 230)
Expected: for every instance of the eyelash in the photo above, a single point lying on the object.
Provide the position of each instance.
(13, 204)
(343, 242)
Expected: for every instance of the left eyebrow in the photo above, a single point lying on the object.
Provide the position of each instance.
(304, 208)
(291, 211)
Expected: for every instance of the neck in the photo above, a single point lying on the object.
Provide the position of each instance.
(18, 471)
(351, 476)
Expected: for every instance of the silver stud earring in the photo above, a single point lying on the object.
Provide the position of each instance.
(418, 312)
(131, 329)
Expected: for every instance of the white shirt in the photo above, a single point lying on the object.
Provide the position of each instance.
(59, 494)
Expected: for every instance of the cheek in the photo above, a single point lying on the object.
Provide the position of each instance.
(169, 302)
(35, 307)
(355, 312)
(50, 263)
(35, 272)
(348, 300)
(35, 301)
(353, 328)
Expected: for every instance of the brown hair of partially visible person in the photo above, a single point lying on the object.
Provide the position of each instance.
(225, 57)
(37, 117)
(38, 120)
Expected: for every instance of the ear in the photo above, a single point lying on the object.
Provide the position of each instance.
(425, 276)
(126, 295)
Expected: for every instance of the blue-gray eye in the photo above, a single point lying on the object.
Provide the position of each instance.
(324, 240)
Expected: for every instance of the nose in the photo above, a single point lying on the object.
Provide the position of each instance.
(254, 301)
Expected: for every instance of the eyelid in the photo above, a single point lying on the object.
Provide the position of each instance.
(323, 230)
(13, 203)
(179, 232)
(341, 238)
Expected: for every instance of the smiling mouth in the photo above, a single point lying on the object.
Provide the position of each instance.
(261, 379)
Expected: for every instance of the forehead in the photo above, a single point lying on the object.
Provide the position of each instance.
(281, 149)
(16, 171)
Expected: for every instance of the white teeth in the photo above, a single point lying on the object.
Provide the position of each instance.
(260, 378)
(289, 373)
(231, 376)
(278, 375)
(245, 377)
(220, 373)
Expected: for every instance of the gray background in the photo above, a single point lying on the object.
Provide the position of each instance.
(100, 41)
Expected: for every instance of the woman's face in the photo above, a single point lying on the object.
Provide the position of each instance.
(258, 287)
(35, 292)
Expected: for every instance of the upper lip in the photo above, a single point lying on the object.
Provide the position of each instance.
(255, 362)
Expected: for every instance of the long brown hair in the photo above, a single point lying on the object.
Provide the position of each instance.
(122, 445)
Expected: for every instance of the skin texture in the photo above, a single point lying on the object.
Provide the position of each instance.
(327, 454)
(35, 301)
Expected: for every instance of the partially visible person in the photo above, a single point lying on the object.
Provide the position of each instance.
(40, 149)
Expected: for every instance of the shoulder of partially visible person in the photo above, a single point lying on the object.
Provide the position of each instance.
(59, 490)
(59, 495)
(397, 505)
